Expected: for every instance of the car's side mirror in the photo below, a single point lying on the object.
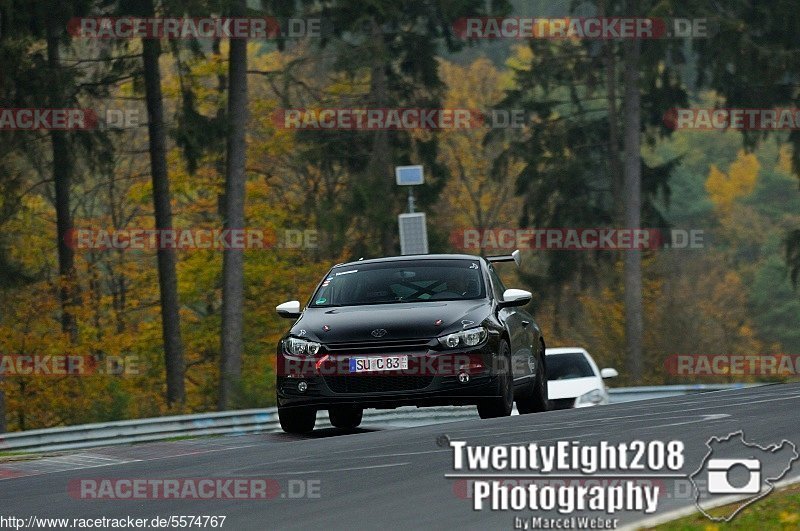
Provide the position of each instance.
(515, 297)
(289, 310)
(609, 373)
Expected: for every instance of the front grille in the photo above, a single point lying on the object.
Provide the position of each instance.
(377, 384)
(563, 403)
(378, 347)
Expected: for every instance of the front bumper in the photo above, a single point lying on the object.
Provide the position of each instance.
(434, 377)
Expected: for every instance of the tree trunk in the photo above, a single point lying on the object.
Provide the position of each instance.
(233, 259)
(62, 176)
(632, 204)
(379, 169)
(167, 276)
(615, 165)
(2, 408)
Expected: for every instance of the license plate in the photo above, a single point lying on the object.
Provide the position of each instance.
(378, 363)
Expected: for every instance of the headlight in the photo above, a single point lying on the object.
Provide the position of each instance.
(465, 338)
(592, 397)
(300, 347)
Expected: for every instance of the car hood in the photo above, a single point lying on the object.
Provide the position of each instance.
(411, 320)
(572, 388)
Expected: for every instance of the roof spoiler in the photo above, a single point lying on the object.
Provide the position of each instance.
(513, 257)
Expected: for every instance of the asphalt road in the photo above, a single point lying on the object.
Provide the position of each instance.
(388, 478)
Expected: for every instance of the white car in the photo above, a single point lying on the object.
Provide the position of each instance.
(573, 379)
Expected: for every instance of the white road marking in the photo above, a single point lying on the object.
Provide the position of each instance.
(63, 464)
(719, 400)
(557, 475)
(386, 465)
(704, 418)
(640, 416)
(537, 441)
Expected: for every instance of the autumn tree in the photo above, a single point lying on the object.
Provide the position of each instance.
(166, 259)
(752, 60)
(387, 54)
(473, 197)
(233, 259)
(571, 156)
(632, 204)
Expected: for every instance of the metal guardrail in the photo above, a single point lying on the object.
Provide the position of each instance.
(628, 394)
(266, 420)
(140, 430)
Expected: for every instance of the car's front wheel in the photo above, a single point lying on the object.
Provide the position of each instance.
(346, 418)
(501, 405)
(297, 419)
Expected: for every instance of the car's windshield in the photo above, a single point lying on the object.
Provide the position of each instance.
(401, 281)
(567, 366)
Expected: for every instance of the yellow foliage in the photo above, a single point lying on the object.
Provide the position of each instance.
(521, 57)
(740, 181)
(472, 198)
(785, 159)
(789, 518)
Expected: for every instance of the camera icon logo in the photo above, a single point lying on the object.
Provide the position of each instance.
(736, 473)
(719, 476)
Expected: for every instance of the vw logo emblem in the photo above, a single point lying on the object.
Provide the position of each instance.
(379, 332)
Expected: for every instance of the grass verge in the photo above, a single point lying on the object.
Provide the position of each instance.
(778, 511)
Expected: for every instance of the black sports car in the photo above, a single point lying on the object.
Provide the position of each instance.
(410, 330)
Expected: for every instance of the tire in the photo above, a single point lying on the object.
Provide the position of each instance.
(501, 405)
(297, 419)
(536, 400)
(346, 418)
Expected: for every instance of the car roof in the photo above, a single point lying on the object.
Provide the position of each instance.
(413, 257)
(564, 350)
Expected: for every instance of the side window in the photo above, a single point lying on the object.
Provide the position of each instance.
(497, 285)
